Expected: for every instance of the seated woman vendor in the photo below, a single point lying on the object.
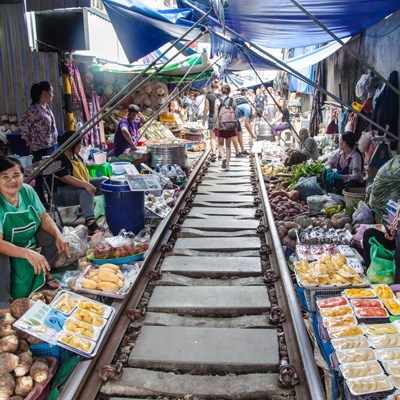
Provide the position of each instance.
(29, 238)
(345, 166)
(127, 136)
(74, 185)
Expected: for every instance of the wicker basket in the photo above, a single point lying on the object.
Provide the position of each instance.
(353, 195)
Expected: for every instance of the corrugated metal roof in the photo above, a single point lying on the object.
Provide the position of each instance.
(43, 5)
(20, 67)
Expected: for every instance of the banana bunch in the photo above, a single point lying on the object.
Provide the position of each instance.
(383, 291)
(332, 210)
(380, 329)
(393, 306)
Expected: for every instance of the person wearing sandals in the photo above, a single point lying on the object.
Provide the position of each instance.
(29, 238)
(74, 185)
(226, 123)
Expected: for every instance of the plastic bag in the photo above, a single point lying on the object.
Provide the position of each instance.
(382, 267)
(317, 203)
(77, 239)
(363, 214)
(361, 86)
(99, 206)
(358, 237)
(308, 187)
(386, 185)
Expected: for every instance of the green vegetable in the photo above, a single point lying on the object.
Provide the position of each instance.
(305, 171)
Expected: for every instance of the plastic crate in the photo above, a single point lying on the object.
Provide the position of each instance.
(49, 350)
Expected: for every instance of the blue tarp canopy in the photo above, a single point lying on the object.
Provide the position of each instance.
(272, 23)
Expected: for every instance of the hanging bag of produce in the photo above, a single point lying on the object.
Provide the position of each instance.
(382, 268)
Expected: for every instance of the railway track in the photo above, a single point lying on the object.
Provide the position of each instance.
(213, 314)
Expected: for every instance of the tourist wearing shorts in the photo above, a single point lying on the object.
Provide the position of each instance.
(127, 136)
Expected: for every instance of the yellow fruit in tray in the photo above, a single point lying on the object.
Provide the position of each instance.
(76, 341)
(325, 257)
(383, 291)
(380, 329)
(359, 293)
(337, 279)
(352, 330)
(323, 281)
(339, 321)
(112, 267)
(392, 305)
(355, 280)
(108, 286)
(65, 304)
(88, 317)
(89, 284)
(339, 259)
(335, 311)
(107, 276)
(92, 307)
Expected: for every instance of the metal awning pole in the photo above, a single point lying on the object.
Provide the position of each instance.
(103, 112)
(287, 68)
(346, 46)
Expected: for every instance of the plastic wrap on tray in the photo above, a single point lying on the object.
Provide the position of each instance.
(317, 235)
(395, 379)
(380, 329)
(355, 355)
(82, 328)
(383, 291)
(388, 353)
(89, 318)
(355, 342)
(336, 311)
(359, 293)
(362, 370)
(94, 307)
(65, 303)
(370, 312)
(366, 303)
(392, 367)
(369, 385)
(76, 341)
(384, 341)
(344, 331)
(343, 320)
(332, 302)
(393, 305)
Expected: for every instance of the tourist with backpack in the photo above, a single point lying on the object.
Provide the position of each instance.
(226, 123)
(208, 114)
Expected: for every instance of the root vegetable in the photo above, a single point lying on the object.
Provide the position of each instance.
(6, 329)
(32, 340)
(25, 364)
(9, 344)
(19, 307)
(7, 386)
(23, 385)
(292, 234)
(23, 346)
(39, 371)
(8, 363)
(16, 397)
(22, 335)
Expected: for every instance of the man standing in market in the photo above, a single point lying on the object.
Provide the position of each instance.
(127, 136)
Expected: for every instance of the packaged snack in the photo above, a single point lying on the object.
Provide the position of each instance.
(81, 328)
(343, 320)
(332, 302)
(355, 355)
(89, 318)
(366, 303)
(388, 354)
(383, 291)
(65, 303)
(93, 307)
(392, 367)
(76, 341)
(370, 368)
(393, 305)
(350, 343)
(395, 379)
(380, 329)
(344, 331)
(336, 311)
(372, 384)
(370, 312)
(359, 293)
(384, 341)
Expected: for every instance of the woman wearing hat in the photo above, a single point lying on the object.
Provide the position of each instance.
(74, 185)
(127, 136)
(345, 166)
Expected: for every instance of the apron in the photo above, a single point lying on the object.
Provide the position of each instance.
(79, 171)
(20, 228)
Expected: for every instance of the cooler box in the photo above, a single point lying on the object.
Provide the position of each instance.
(124, 208)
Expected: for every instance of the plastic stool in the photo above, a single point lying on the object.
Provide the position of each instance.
(96, 171)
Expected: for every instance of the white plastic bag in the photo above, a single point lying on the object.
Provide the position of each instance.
(363, 214)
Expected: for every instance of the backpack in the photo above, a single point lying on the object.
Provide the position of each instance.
(227, 116)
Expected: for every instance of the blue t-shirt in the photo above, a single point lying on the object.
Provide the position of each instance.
(120, 143)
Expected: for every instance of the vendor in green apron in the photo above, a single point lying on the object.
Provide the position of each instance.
(25, 227)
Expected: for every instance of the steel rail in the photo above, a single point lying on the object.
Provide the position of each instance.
(287, 292)
(84, 383)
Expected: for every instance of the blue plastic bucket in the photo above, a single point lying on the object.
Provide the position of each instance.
(124, 208)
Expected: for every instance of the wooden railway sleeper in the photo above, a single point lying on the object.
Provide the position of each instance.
(113, 372)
